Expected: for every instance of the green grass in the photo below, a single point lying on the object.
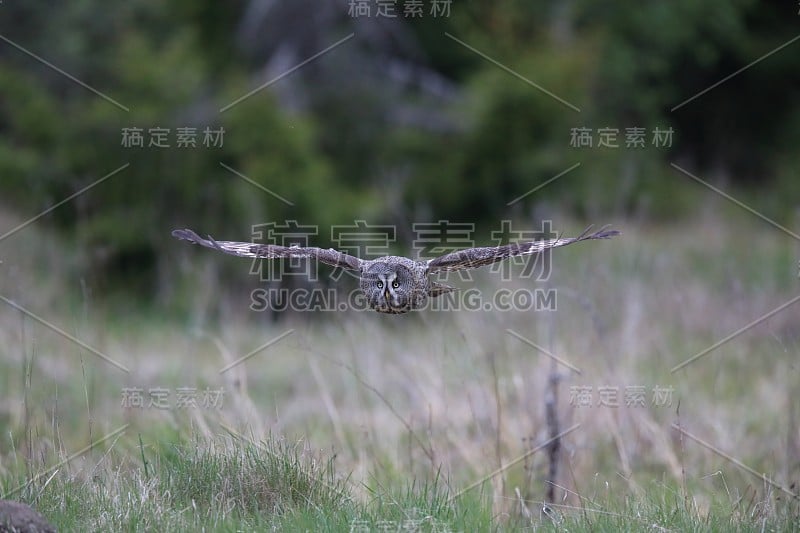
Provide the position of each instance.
(235, 485)
(381, 422)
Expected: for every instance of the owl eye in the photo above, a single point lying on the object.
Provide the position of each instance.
(395, 284)
(380, 284)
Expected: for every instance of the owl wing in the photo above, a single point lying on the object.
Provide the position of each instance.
(269, 251)
(478, 257)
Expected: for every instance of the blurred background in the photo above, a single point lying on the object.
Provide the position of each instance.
(406, 121)
(677, 122)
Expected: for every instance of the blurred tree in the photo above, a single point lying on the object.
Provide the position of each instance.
(400, 123)
(657, 57)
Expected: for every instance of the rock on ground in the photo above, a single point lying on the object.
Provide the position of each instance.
(17, 517)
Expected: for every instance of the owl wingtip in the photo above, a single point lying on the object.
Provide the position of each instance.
(185, 235)
(606, 234)
(602, 233)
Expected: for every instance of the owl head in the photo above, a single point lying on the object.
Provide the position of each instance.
(390, 287)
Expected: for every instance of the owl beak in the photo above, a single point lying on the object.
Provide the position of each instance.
(387, 296)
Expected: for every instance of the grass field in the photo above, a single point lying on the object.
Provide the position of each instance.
(363, 422)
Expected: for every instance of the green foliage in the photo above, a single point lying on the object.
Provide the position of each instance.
(388, 153)
(518, 138)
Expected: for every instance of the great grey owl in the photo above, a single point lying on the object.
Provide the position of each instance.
(394, 284)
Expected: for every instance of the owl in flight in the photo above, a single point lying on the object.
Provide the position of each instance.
(394, 284)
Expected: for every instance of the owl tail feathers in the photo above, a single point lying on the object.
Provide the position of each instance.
(437, 289)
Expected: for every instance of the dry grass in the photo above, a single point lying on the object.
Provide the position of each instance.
(407, 397)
